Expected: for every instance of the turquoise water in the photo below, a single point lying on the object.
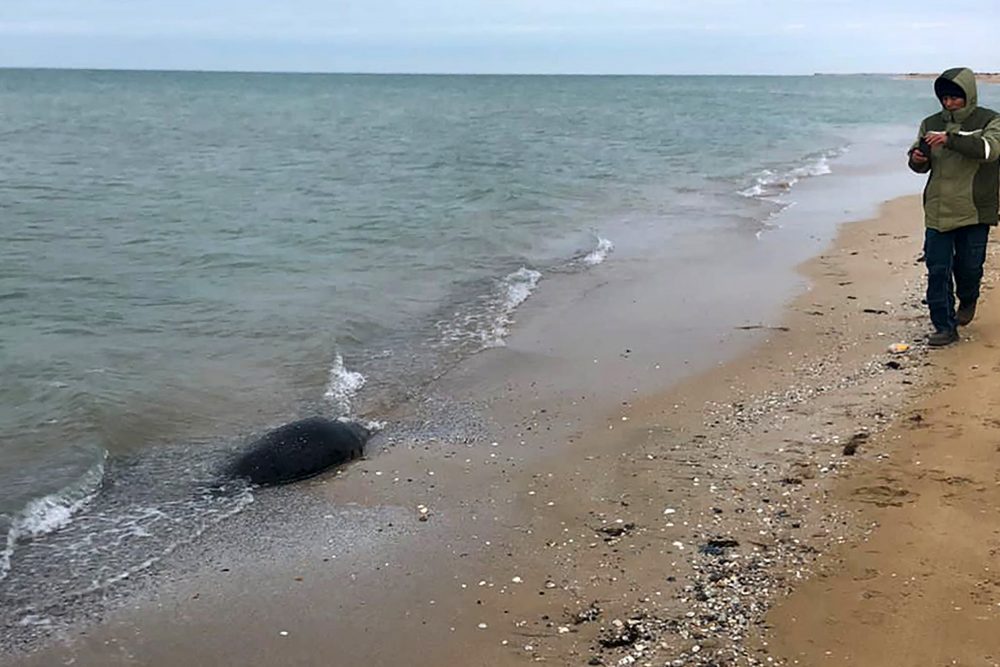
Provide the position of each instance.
(186, 258)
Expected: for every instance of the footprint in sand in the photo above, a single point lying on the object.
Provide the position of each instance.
(986, 591)
(869, 574)
(954, 480)
(882, 495)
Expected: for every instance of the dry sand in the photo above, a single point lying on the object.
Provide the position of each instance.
(817, 464)
(924, 587)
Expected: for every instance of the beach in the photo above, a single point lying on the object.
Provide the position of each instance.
(688, 445)
(805, 501)
(922, 588)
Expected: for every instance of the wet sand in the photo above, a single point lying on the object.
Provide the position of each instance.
(618, 519)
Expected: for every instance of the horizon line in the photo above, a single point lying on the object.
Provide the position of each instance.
(404, 73)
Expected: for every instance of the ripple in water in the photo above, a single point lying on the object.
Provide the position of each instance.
(146, 508)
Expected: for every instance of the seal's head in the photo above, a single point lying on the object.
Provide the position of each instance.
(361, 431)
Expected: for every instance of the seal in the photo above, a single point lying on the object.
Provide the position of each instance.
(298, 450)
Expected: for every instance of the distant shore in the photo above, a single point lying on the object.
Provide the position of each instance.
(981, 77)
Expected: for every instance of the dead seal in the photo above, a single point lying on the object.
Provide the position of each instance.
(298, 450)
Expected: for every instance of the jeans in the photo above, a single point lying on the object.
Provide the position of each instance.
(954, 266)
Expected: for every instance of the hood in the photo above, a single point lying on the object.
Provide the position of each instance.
(966, 80)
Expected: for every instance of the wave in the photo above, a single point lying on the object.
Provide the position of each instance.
(52, 512)
(343, 386)
(516, 287)
(769, 183)
(600, 253)
(486, 323)
(139, 510)
(143, 522)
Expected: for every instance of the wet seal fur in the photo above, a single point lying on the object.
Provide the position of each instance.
(299, 450)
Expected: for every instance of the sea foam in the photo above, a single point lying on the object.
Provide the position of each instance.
(515, 289)
(49, 513)
(343, 386)
(770, 183)
(600, 253)
(485, 322)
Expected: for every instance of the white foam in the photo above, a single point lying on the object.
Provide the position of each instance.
(35, 620)
(768, 183)
(769, 224)
(373, 425)
(819, 168)
(600, 253)
(486, 324)
(343, 385)
(52, 512)
(755, 190)
(515, 288)
(760, 185)
(206, 520)
(6, 554)
(520, 285)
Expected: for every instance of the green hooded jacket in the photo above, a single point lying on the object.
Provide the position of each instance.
(964, 183)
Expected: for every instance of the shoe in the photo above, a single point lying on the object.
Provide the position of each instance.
(965, 313)
(942, 338)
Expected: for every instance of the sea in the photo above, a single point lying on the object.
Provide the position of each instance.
(187, 259)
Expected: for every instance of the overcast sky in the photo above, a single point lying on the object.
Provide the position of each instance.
(509, 36)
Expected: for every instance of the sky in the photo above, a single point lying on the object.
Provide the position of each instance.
(509, 36)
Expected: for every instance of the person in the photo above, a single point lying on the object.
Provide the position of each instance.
(959, 147)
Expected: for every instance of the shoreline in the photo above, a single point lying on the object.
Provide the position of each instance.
(762, 440)
(595, 569)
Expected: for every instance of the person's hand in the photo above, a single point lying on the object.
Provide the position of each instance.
(918, 157)
(936, 138)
